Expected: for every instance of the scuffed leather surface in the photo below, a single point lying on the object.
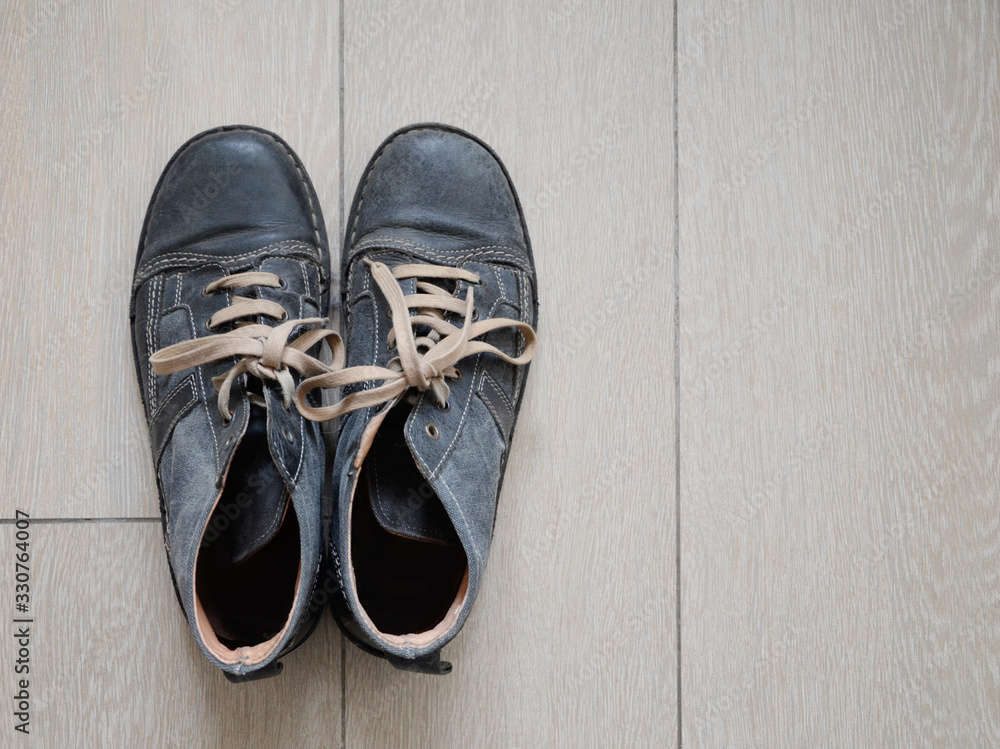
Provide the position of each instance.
(435, 194)
(258, 212)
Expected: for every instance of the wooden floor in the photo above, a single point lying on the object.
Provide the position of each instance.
(754, 499)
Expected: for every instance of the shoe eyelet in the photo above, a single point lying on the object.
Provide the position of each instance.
(208, 325)
(458, 375)
(282, 284)
(227, 443)
(433, 432)
(286, 432)
(388, 313)
(206, 293)
(475, 315)
(446, 406)
(284, 316)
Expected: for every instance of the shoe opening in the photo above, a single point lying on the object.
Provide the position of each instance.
(409, 568)
(248, 566)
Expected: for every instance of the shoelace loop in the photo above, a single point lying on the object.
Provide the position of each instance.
(424, 362)
(264, 349)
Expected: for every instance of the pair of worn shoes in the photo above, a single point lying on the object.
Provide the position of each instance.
(229, 303)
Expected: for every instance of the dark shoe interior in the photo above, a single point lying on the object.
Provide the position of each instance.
(246, 581)
(405, 585)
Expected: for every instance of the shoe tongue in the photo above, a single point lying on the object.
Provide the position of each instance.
(255, 498)
(403, 501)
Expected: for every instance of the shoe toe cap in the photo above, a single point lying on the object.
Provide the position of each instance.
(441, 183)
(237, 182)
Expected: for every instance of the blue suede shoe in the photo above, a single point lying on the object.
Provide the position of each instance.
(228, 300)
(439, 298)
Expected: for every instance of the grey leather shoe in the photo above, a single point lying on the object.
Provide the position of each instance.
(228, 299)
(439, 297)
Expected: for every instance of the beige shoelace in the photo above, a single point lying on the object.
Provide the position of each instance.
(264, 349)
(424, 362)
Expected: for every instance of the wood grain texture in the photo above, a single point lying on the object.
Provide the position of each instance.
(572, 641)
(96, 98)
(840, 370)
(113, 662)
(839, 231)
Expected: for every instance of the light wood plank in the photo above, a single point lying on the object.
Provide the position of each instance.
(113, 662)
(572, 639)
(96, 98)
(839, 225)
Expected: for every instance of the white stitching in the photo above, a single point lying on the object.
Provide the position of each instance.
(465, 412)
(204, 400)
(183, 256)
(488, 378)
(458, 506)
(453, 256)
(369, 171)
(153, 318)
(421, 467)
(503, 289)
(486, 402)
(173, 391)
(272, 526)
(186, 255)
(305, 279)
(302, 450)
(410, 424)
(305, 184)
(188, 381)
(378, 494)
(180, 414)
(522, 296)
(461, 423)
